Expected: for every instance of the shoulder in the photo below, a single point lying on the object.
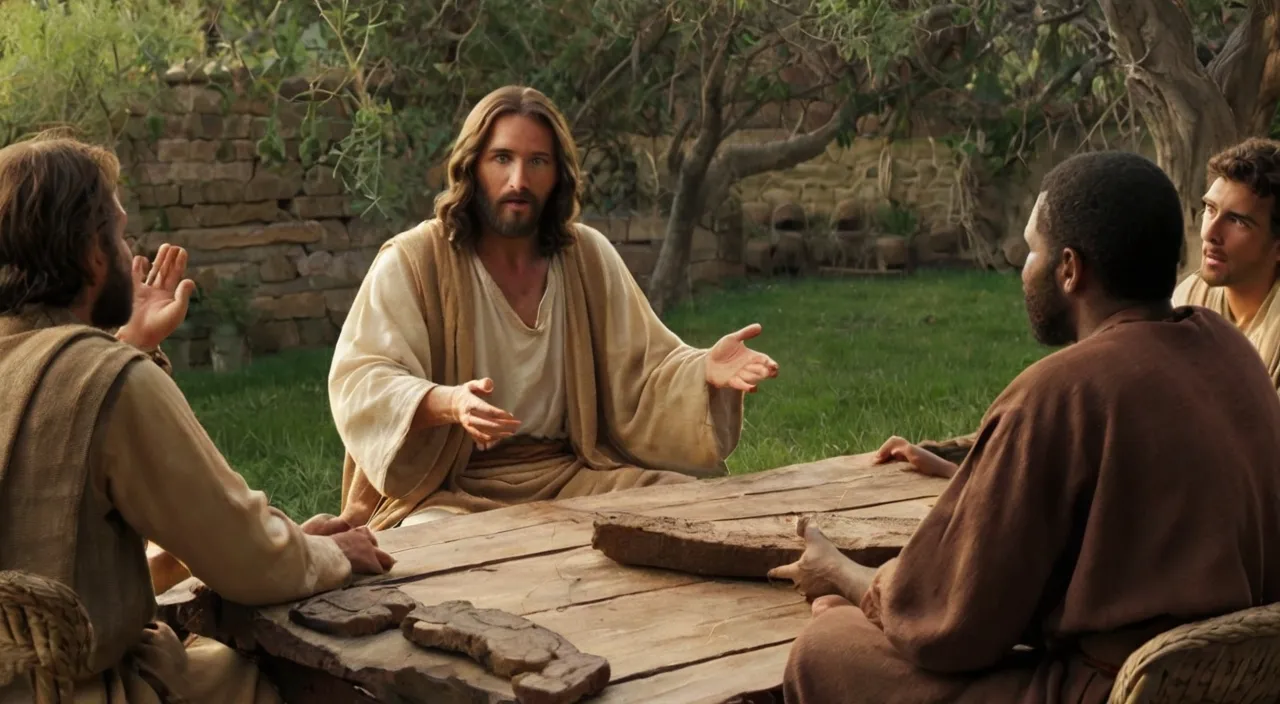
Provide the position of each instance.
(591, 241)
(1190, 291)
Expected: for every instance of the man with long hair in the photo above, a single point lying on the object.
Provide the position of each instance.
(99, 451)
(1119, 487)
(502, 353)
(1239, 275)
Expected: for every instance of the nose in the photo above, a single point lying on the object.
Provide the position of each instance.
(517, 179)
(1210, 229)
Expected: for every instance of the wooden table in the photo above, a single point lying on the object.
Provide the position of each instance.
(668, 636)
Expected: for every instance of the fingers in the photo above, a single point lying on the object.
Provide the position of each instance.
(139, 270)
(790, 572)
(480, 386)
(489, 412)
(158, 265)
(364, 531)
(740, 385)
(887, 450)
(385, 560)
(175, 266)
(185, 290)
(748, 332)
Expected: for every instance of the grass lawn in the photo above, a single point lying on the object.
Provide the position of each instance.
(860, 360)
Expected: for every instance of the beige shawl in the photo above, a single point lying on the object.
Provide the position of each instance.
(637, 395)
(1263, 330)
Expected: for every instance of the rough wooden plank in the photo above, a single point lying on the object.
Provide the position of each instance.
(712, 682)
(789, 478)
(746, 548)
(646, 633)
(546, 582)
(882, 485)
(354, 612)
(468, 526)
(544, 668)
(466, 553)
(386, 664)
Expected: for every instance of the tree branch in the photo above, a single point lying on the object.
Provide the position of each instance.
(1238, 68)
(645, 42)
(738, 161)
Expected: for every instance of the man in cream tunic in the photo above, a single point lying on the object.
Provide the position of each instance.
(1241, 234)
(502, 353)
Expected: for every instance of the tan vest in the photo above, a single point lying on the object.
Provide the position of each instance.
(58, 377)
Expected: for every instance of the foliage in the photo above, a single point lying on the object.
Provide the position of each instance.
(83, 64)
(227, 302)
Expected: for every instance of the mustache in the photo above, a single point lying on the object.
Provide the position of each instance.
(524, 197)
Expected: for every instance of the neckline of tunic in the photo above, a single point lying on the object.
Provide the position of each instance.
(494, 291)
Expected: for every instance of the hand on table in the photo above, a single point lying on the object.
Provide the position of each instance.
(896, 449)
(160, 298)
(822, 569)
(732, 365)
(361, 548)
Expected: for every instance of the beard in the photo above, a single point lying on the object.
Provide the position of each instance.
(513, 224)
(1048, 311)
(114, 306)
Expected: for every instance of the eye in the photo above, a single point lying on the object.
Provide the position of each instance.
(502, 158)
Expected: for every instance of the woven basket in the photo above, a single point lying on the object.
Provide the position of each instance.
(45, 635)
(1231, 659)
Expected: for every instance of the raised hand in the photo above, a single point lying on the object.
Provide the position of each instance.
(731, 364)
(485, 423)
(896, 449)
(160, 298)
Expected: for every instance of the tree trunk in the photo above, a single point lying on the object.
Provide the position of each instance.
(1182, 107)
(1192, 112)
(670, 283)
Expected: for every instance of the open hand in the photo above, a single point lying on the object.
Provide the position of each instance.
(896, 449)
(485, 423)
(820, 570)
(361, 548)
(730, 364)
(160, 298)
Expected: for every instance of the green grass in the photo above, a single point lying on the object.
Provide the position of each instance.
(860, 360)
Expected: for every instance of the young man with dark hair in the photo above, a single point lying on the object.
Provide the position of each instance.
(100, 452)
(1241, 252)
(1089, 515)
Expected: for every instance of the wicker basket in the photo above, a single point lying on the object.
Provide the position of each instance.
(45, 635)
(1231, 659)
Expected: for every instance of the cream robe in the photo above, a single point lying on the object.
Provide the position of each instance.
(130, 453)
(1263, 330)
(635, 395)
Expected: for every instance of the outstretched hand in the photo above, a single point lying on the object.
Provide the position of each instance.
(161, 297)
(485, 423)
(732, 365)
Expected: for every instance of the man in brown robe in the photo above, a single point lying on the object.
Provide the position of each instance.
(1118, 487)
(1239, 275)
(502, 353)
(99, 451)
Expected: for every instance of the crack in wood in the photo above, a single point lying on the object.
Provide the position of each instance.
(653, 672)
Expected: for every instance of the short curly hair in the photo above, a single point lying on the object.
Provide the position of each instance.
(1121, 214)
(1254, 162)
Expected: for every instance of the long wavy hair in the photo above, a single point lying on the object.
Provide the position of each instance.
(56, 195)
(455, 205)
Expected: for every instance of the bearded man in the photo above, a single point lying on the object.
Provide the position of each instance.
(502, 353)
(1089, 515)
(1240, 273)
(99, 451)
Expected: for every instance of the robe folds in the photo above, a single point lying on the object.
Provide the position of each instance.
(1117, 488)
(636, 406)
(99, 452)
